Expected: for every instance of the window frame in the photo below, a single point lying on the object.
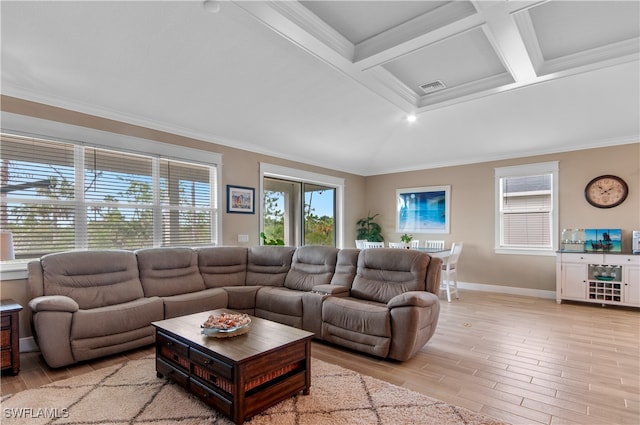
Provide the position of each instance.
(532, 169)
(292, 174)
(26, 126)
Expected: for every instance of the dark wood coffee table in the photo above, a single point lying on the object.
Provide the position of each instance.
(240, 376)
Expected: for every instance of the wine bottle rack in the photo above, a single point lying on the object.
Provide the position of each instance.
(605, 283)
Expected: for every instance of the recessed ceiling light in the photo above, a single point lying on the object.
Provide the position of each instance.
(411, 118)
(212, 6)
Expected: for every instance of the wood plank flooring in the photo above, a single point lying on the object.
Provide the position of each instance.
(520, 359)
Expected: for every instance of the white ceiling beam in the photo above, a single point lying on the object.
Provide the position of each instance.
(395, 51)
(438, 24)
(503, 33)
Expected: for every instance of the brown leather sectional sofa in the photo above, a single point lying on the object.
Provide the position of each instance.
(88, 304)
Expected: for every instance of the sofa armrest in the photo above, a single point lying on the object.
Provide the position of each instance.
(335, 290)
(414, 317)
(53, 303)
(413, 298)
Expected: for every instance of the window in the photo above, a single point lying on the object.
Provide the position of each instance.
(300, 208)
(286, 216)
(526, 208)
(59, 196)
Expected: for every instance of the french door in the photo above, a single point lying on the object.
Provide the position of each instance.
(298, 213)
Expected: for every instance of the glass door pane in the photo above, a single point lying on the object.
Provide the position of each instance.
(319, 215)
(281, 219)
(293, 220)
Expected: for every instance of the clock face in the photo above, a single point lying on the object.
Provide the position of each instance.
(606, 191)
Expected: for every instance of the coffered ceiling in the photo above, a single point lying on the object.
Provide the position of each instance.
(422, 55)
(330, 82)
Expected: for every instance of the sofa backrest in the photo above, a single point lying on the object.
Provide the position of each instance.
(91, 278)
(268, 265)
(169, 271)
(223, 265)
(346, 267)
(433, 275)
(311, 265)
(384, 273)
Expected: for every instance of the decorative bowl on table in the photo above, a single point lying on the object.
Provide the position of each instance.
(225, 325)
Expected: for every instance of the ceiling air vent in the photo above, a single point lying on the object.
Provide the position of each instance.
(432, 86)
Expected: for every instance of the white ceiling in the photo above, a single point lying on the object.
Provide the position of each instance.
(330, 83)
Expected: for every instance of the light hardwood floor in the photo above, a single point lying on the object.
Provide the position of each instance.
(520, 359)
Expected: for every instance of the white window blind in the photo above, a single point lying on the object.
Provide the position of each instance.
(38, 195)
(58, 196)
(526, 211)
(526, 207)
(186, 203)
(118, 198)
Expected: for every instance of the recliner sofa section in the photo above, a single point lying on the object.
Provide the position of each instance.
(387, 313)
(295, 303)
(88, 304)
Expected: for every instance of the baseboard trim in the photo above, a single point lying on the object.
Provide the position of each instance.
(527, 292)
(28, 345)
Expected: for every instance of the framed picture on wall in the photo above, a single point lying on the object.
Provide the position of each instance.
(241, 199)
(603, 240)
(423, 209)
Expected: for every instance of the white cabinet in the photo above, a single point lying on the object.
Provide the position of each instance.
(598, 278)
(574, 278)
(632, 286)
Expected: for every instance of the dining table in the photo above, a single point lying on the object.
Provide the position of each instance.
(436, 252)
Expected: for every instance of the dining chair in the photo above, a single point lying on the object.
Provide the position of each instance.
(449, 274)
(435, 244)
(360, 243)
(414, 244)
(397, 245)
(374, 244)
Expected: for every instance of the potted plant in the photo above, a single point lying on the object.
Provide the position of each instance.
(266, 240)
(369, 230)
(406, 239)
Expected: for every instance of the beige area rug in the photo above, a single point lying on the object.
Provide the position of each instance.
(130, 393)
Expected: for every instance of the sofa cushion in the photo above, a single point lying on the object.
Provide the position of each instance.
(384, 273)
(346, 267)
(223, 265)
(242, 298)
(366, 317)
(280, 300)
(92, 278)
(281, 305)
(268, 265)
(311, 265)
(115, 319)
(91, 348)
(169, 271)
(194, 302)
(375, 345)
(357, 324)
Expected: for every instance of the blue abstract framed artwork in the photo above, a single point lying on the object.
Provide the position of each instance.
(423, 209)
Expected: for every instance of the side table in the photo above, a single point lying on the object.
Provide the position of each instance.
(10, 341)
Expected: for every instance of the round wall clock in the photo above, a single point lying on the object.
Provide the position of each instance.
(606, 191)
